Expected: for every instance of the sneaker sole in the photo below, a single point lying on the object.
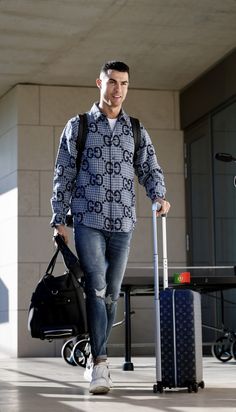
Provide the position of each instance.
(99, 390)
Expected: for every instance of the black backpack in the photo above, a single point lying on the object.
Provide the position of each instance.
(83, 131)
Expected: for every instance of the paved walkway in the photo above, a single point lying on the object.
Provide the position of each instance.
(49, 384)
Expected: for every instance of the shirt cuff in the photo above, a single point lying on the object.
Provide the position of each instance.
(57, 219)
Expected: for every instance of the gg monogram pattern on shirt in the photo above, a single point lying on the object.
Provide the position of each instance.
(102, 194)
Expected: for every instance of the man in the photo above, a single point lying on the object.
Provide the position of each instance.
(102, 201)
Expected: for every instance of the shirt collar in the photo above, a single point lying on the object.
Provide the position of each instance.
(96, 112)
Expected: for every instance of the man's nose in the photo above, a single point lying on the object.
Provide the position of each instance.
(118, 87)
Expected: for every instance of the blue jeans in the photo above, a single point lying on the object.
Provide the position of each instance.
(103, 256)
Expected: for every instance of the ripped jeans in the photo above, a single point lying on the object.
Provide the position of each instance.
(103, 256)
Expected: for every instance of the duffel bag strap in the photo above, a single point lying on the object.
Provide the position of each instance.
(52, 263)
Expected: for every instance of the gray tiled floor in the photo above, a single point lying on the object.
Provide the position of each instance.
(49, 384)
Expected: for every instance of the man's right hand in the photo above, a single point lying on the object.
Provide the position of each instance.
(63, 231)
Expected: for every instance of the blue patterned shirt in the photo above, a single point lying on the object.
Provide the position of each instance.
(102, 194)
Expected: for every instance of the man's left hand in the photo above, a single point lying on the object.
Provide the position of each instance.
(165, 207)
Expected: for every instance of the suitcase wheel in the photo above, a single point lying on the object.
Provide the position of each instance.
(201, 384)
(66, 352)
(194, 387)
(158, 388)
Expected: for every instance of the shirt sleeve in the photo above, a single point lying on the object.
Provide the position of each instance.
(149, 173)
(64, 173)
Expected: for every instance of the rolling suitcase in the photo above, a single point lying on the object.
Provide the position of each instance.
(178, 327)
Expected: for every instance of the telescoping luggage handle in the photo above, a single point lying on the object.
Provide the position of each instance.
(156, 207)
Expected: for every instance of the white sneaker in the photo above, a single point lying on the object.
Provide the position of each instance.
(89, 369)
(100, 379)
(110, 380)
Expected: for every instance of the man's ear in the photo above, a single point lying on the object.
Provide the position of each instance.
(99, 83)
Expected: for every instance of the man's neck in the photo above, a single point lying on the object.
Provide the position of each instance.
(110, 112)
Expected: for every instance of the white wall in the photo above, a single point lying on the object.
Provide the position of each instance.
(31, 120)
(8, 224)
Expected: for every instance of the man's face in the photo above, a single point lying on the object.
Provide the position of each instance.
(113, 87)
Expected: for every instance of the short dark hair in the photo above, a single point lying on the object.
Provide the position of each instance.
(115, 65)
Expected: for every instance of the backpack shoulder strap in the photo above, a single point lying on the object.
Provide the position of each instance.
(83, 131)
(81, 138)
(137, 134)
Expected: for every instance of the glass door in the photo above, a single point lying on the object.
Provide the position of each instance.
(211, 208)
(224, 140)
(211, 190)
(199, 194)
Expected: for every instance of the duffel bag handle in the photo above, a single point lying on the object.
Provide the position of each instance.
(52, 263)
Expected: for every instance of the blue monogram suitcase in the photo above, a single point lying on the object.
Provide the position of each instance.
(178, 328)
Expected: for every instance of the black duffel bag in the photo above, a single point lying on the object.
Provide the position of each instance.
(57, 308)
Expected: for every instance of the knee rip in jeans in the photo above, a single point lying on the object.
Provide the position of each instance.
(101, 293)
(108, 299)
